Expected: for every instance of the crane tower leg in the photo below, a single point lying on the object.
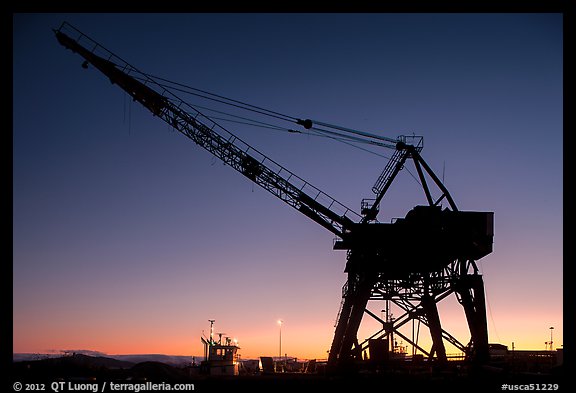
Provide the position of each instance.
(470, 289)
(358, 291)
(431, 312)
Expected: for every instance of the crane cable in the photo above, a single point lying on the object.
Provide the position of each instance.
(315, 131)
(307, 124)
(223, 100)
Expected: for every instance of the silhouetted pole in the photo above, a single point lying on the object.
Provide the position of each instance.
(280, 350)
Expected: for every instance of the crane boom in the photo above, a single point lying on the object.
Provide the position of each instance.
(259, 168)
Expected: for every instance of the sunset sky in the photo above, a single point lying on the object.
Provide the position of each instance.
(128, 238)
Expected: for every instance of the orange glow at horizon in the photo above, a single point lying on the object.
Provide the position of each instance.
(302, 341)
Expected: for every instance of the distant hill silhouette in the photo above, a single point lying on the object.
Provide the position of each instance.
(100, 367)
(96, 361)
(166, 359)
(173, 360)
(76, 365)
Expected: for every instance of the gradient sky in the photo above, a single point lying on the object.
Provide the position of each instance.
(128, 237)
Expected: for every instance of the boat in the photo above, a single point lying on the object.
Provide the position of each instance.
(220, 357)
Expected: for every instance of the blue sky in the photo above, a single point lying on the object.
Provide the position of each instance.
(128, 237)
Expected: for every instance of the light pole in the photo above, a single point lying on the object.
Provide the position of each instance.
(280, 350)
(551, 329)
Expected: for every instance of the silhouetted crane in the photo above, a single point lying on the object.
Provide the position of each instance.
(413, 262)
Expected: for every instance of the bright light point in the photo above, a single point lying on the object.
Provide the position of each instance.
(280, 322)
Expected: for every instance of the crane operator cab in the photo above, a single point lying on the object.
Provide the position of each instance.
(426, 240)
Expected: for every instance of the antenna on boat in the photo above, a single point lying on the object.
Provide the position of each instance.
(211, 330)
(220, 338)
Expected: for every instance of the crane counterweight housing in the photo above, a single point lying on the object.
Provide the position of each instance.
(426, 240)
(413, 262)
